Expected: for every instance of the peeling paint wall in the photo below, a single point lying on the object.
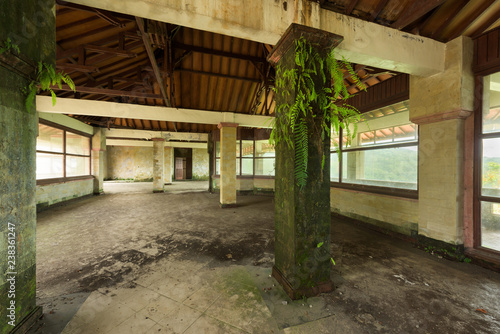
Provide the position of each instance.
(63, 191)
(133, 163)
(200, 164)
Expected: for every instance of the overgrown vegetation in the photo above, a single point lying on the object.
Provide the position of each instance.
(43, 79)
(318, 84)
(46, 77)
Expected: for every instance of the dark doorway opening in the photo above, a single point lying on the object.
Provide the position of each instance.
(183, 158)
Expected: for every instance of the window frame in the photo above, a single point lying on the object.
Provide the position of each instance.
(64, 154)
(375, 189)
(479, 137)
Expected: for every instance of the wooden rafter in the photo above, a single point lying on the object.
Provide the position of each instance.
(350, 7)
(213, 52)
(152, 59)
(109, 92)
(459, 29)
(458, 6)
(415, 11)
(380, 6)
(482, 28)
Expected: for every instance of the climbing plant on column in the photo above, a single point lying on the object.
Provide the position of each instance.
(324, 101)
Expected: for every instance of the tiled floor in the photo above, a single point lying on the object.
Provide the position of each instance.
(180, 297)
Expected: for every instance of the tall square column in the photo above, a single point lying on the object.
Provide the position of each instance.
(98, 149)
(302, 215)
(227, 164)
(158, 164)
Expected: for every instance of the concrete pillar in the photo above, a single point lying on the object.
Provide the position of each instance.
(302, 215)
(98, 149)
(440, 104)
(169, 163)
(227, 164)
(158, 164)
(30, 25)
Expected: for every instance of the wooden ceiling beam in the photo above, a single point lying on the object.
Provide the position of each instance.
(77, 23)
(458, 6)
(482, 28)
(109, 92)
(415, 11)
(219, 75)
(213, 52)
(459, 29)
(77, 68)
(152, 59)
(380, 6)
(97, 49)
(350, 7)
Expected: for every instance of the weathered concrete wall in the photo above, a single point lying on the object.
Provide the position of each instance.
(440, 104)
(135, 163)
(393, 213)
(98, 149)
(31, 25)
(158, 164)
(441, 180)
(63, 191)
(200, 164)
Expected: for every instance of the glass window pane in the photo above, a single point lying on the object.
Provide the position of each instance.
(405, 132)
(491, 103)
(217, 166)
(76, 144)
(49, 166)
(265, 166)
(238, 145)
(247, 148)
(334, 167)
(264, 149)
(390, 167)
(217, 149)
(366, 138)
(491, 167)
(490, 225)
(77, 166)
(49, 139)
(247, 166)
(238, 170)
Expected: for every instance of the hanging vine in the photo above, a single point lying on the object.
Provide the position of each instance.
(318, 100)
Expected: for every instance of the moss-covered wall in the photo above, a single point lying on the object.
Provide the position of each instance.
(31, 25)
(63, 191)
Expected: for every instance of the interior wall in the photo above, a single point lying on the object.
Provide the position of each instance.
(200, 164)
(393, 213)
(129, 163)
(249, 184)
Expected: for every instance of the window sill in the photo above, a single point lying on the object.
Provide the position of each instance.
(394, 192)
(46, 182)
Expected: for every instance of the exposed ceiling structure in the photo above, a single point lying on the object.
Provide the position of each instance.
(126, 59)
(442, 20)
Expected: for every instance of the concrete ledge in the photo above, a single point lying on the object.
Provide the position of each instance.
(28, 321)
(294, 294)
(158, 191)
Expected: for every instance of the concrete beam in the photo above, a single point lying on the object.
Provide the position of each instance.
(135, 111)
(125, 142)
(67, 121)
(144, 134)
(364, 42)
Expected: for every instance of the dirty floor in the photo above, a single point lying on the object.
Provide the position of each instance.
(138, 262)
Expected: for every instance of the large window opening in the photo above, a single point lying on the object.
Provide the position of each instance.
(382, 157)
(254, 157)
(61, 153)
(489, 193)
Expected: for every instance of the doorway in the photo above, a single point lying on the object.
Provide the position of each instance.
(183, 158)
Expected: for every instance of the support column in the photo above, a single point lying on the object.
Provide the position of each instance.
(440, 105)
(98, 149)
(302, 216)
(227, 164)
(158, 164)
(169, 162)
(30, 25)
